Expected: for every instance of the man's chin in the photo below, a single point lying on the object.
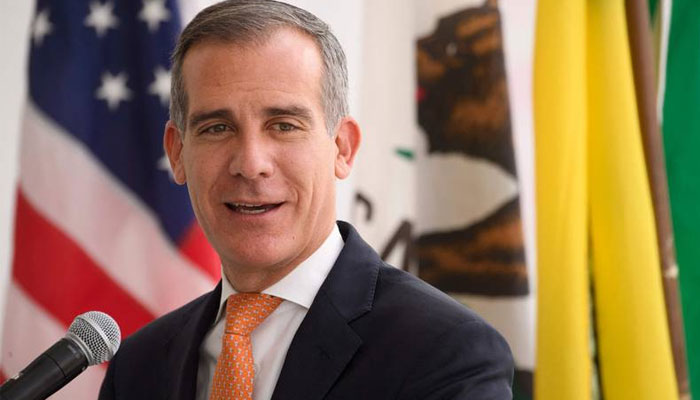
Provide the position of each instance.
(255, 259)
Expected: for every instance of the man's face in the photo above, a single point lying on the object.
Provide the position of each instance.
(256, 155)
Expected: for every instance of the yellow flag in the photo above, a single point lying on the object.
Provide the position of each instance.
(592, 185)
(562, 357)
(633, 339)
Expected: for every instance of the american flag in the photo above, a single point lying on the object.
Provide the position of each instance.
(99, 223)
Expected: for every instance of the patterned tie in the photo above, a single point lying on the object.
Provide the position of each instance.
(233, 376)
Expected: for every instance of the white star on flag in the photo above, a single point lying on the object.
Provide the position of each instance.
(101, 17)
(113, 89)
(164, 164)
(161, 85)
(41, 27)
(153, 13)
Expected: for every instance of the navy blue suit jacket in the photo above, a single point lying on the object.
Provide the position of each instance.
(372, 332)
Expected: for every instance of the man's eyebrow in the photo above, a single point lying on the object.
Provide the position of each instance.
(292, 111)
(200, 117)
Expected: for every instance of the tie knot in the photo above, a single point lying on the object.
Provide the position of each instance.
(245, 311)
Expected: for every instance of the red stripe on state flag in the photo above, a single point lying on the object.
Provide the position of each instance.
(197, 249)
(62, 278)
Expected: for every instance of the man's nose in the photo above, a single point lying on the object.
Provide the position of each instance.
(252, 158)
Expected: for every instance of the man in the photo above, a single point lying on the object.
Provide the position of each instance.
(259, 132)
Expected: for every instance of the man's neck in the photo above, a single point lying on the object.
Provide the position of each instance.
(254, 282)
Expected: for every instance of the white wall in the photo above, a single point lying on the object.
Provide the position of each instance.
(14, 22)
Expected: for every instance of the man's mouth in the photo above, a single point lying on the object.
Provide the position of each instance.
(252, 209)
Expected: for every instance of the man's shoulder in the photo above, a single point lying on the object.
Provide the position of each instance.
(399, 291)
(434, 346)
(398, 299)
(452, 351)
(429, 318)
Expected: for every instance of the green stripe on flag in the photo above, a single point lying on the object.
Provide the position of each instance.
(681, 130)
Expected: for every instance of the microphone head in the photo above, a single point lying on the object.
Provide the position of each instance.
(97, 334)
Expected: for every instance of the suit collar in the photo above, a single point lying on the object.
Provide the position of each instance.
(350, 284)
(325, 342)
(323, 345)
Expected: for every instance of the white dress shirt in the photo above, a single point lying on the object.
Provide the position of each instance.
(271, 339)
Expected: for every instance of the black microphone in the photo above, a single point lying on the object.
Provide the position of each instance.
(92, 338)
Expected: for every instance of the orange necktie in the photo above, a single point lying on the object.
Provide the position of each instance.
(233, 376)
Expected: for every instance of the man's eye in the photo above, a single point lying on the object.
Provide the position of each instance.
(284, 127)
(218, 128)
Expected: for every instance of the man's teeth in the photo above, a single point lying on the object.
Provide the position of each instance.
(244, 208)
(251, 211)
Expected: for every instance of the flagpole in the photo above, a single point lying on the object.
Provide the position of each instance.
(638, 27)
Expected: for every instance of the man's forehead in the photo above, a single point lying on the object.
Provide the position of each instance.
(286, 63)
(285, 53)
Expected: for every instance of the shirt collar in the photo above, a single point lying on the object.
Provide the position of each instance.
(303, 282)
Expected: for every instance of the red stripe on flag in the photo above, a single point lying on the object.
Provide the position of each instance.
(197, 249)
(62, 278)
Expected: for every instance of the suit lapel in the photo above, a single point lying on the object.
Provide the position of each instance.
(179, 373)
(325, 342)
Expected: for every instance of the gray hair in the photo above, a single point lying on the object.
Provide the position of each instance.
(253, 21)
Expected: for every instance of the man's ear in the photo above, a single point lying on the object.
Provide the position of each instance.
(172, 143)
(347, 141)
